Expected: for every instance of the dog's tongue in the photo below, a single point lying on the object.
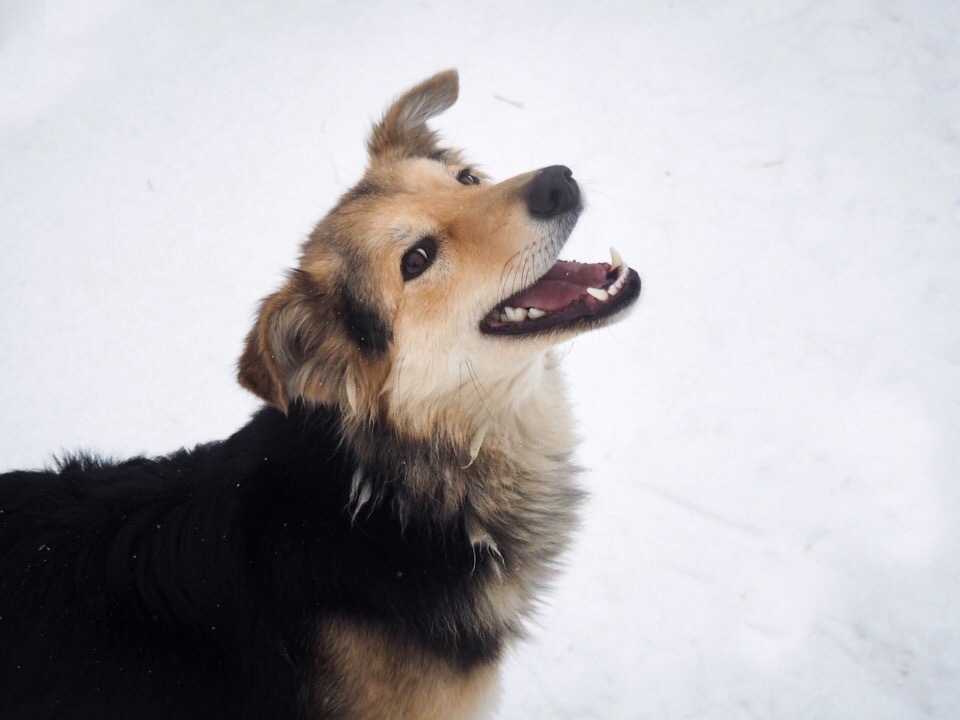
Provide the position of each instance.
(564, 283)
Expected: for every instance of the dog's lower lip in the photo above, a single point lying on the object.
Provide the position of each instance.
(568, 293)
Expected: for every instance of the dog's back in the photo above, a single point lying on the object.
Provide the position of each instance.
(120, 590)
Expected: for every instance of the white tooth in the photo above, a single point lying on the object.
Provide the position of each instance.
(613, 290)
(615, 259)
(601, 295)
(535, 313)
(514, 314)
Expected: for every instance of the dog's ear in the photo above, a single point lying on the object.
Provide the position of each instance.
(403, 132)
(288, 331)
(323, 345)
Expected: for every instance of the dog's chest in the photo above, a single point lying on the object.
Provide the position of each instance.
(366, 673)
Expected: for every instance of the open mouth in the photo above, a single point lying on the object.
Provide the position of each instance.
(569, 293)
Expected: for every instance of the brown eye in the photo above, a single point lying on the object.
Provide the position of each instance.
(465, 177)
(418, 258)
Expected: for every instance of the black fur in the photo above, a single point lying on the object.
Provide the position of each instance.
(365, 325)
(191, 586)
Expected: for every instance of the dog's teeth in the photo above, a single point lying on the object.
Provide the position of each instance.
(615, 259)
(601, 295)
(620, 282)
(514, 314)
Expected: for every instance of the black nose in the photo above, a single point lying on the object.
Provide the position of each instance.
(552, 191)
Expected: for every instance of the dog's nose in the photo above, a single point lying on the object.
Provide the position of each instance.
(552, 191)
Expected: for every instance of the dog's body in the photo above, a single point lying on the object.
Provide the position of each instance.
(368, 545)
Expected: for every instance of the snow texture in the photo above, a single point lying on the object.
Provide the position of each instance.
(772, 436)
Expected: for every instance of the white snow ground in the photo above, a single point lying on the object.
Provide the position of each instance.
(772, 435)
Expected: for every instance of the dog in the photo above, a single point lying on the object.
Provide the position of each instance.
(368, 545)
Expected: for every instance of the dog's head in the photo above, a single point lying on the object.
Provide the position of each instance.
(429, 290)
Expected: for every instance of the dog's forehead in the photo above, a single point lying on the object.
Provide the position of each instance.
(405, 177)
(406, 194)
(414, 175)
(389, 208)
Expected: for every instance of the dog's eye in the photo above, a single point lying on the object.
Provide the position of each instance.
(418, 258)
(465, 177)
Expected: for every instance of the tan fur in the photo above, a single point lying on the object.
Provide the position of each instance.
(377, 676)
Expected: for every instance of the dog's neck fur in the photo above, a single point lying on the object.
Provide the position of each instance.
(494, 460)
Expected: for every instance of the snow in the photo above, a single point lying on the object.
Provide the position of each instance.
(772, 436)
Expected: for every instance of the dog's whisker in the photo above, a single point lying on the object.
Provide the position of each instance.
(396, 382)
(509, 269)
(481, 391)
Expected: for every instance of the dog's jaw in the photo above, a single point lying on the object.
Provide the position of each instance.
(468, 394)
(570, 296)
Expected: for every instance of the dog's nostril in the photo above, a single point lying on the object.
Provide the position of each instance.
(552, 192)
